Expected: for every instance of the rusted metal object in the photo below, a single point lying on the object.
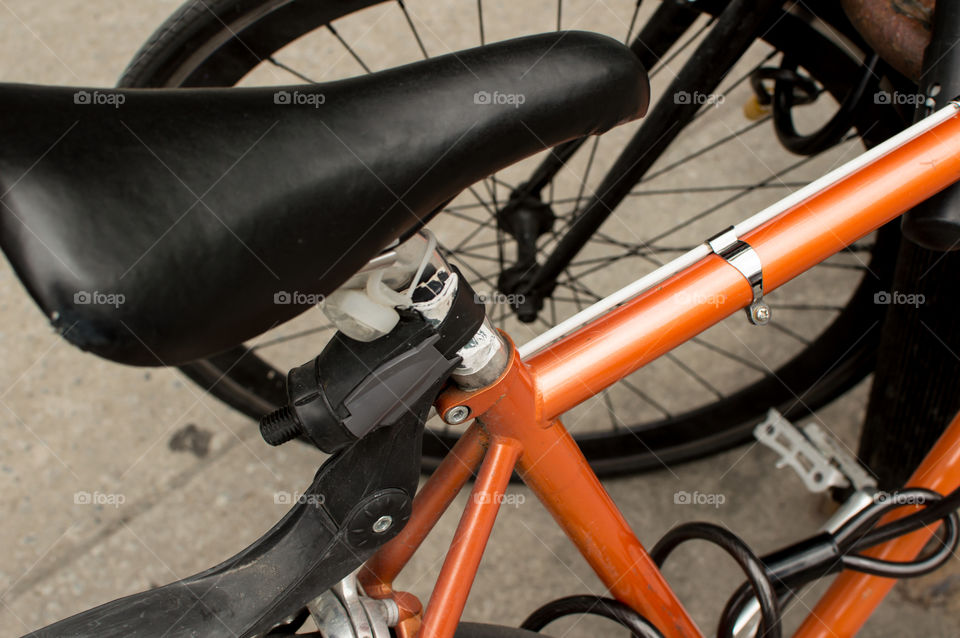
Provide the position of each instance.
(898, 30)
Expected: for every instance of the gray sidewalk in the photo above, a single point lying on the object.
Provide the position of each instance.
(118, 479)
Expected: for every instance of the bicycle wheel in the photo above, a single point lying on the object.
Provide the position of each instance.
(699, 399)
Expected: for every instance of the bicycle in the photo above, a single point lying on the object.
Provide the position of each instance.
(626, 429)
(504, 452)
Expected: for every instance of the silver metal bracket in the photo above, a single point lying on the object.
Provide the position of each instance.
(744, 258)
(818, 458)
(345, 612)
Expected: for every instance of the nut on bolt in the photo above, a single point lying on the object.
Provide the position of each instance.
(457, 415)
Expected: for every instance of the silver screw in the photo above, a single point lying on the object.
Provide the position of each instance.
(382, 524)
(457, 415)
(761, 314)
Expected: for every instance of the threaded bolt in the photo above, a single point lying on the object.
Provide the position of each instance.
(280, 426)
(457, 415)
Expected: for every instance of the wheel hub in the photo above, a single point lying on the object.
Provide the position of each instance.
(525, 218)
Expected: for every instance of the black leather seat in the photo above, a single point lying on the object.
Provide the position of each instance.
(160, 226)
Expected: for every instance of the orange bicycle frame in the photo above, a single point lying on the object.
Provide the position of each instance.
(517, 426)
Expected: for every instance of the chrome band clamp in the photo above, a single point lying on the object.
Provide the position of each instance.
(744, 258)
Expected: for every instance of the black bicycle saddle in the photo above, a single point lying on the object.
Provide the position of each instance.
(155, 227)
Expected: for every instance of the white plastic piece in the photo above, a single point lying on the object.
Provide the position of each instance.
(365, 307)
(358, 316)
(380, 293)
(702, 250)
(427, 256)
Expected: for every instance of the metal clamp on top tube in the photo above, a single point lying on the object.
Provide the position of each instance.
(744, 258)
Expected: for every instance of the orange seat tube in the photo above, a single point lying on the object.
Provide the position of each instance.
(449, 597)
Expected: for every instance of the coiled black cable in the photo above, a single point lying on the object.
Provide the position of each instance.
(860, 539)
(833, 131)
(757, 573)
(593, 605)
(855, 536)
(935, 512)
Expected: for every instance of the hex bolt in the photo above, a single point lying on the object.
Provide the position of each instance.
(382, 524)
(457, 415)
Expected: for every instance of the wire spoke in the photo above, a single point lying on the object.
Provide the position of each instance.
(614, 422)
(730, 355)
(630, 252)
(413, 28)
(491, 186)
(473, 234)
(349, 49)
(280, 65)
(577, 288)
(736, 83)
(706, 149)
(714, 189)
(726, 202)
(483, 39)
(645, 397)
(633, 22)
(497, 180)
(636, 251)
(481, 245)
(694, 374)
(586, 173)
(464, 217)
(484, 278)
(490, 207)
(664, 62)
(790, 333)
(828, 264)
(463, 252)
(798, 306)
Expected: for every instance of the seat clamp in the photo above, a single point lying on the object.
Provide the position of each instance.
(744, 258)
